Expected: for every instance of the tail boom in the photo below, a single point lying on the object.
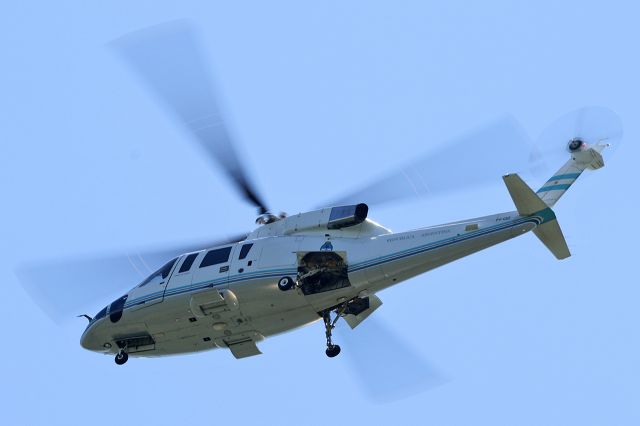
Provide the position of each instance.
(561, 181)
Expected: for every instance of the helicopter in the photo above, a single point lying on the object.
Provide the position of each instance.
(326, 264)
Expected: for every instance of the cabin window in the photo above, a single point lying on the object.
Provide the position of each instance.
(244, 251)
(188, 261)
(214, 257)
(160, 275)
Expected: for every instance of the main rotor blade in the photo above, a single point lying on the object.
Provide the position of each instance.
(168, 59)
(384, 365)
(475, 158)
(66, 288)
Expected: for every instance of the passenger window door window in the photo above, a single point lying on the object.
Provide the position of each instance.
(187, 263)
(244, 251)
(216, 257)
(212, 268)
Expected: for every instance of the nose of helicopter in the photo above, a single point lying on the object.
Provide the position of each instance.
(88, 340)
(92, 340)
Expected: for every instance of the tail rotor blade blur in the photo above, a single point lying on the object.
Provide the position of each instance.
(169, 60)
(384, 365)
(473, 159)
(592, 125)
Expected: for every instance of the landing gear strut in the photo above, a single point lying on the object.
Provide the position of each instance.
(121, 357)
(329, 325)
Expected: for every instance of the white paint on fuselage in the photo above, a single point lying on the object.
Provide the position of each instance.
(376, 260)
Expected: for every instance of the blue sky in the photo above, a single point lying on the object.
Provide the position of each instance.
(324, 96)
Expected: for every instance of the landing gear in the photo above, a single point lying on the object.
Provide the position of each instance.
(286, 283)
(329, 325)
(121, 357)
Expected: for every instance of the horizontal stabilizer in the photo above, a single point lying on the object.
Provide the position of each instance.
(551, 236)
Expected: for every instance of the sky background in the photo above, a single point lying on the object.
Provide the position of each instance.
(323, 97)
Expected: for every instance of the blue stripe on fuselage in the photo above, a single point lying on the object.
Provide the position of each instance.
(537, 219)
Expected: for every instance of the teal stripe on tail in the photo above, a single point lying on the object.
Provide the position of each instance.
(561, 181)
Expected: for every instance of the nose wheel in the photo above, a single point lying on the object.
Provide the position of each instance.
(329, 324)
(121, 357)
(332, 351)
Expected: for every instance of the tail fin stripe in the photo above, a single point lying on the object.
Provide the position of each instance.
(565, 176)
(564, 186)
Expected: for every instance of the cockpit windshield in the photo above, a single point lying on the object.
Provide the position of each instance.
(160, 275)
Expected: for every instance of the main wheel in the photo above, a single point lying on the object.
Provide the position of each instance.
(285, 283)
(121, 358)
(332, 351)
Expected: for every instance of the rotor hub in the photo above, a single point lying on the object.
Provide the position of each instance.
(575, 144)
(267, 218)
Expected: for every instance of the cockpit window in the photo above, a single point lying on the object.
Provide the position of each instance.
(188, 261)
(101, 314)
(214, 257)
(160, 275)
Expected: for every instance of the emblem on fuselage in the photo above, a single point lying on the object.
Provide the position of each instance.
(327, 246)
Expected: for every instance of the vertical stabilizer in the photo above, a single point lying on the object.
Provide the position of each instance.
(582, 158)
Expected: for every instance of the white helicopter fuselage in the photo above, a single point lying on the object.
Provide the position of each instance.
(294, 270)
(232, 300)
